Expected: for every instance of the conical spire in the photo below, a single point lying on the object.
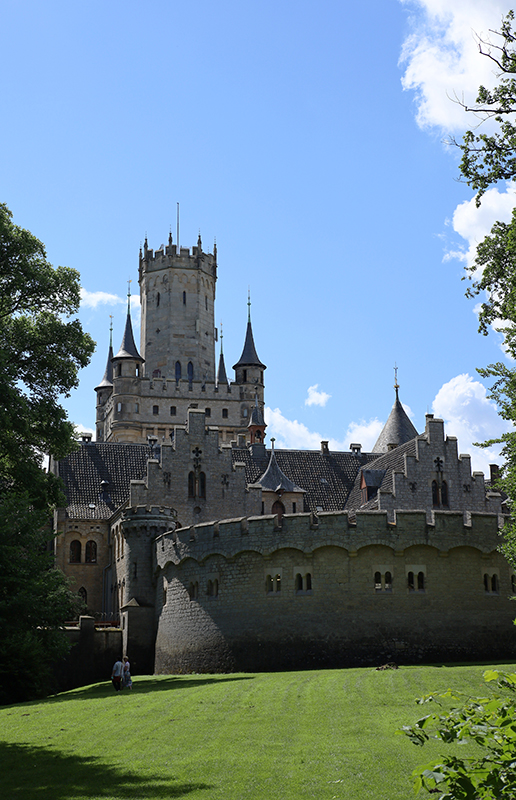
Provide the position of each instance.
(398, 429)
(221, 372)
(249, 357)
(257, 415)
(107, 380)
(128, 347)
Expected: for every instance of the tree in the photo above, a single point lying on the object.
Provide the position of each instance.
(488, 721)
(42, 348)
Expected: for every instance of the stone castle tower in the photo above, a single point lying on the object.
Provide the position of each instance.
(144, 394)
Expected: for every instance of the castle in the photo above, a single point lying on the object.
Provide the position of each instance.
(218, 554)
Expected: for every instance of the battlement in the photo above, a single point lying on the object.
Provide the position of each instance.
(307, 532)
(170, 256)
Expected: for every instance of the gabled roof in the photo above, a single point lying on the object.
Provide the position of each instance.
(386, 463)
(397, 430)
(249, 357)
(128, 347)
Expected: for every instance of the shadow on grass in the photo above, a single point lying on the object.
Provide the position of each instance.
(39, 773)
(146, 685)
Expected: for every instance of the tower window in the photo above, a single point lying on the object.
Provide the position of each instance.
(119, 407)
(191, 484)
(184, 298)
(155, 410)
(91, 552)
(157, 299)
(136, 408)
(156, 373)
(244, 374)
(173, 411)
(75, 552)
(178, 371)
(190, 372)
(202, 484)
(207, 412)
(224, 413)
(83, 594)
(206, 301)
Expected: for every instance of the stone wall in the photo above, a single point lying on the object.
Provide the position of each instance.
(91, 658)
(248, 595)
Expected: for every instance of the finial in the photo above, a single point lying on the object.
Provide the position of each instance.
(249, 304)
(396, 385)
(170, 236)
(145, 242)
(111, 331)
(129, 296)
(199, 243)
(221, 338)
(215, 249)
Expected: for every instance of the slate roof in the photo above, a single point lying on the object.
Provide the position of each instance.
(84, 470)
(273, 479)
(128, 347)
(221, 372)
(249, 357)
(389, 462)
(397, 430)
(326, 479)
(107, 380)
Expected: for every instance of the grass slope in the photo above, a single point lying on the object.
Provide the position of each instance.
(322, 734)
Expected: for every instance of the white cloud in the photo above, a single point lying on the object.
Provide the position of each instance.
(441, 57)
(316, 398)
(463, 404)
(291, 434)
(94, 299)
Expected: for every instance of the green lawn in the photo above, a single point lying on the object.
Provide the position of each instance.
(322, 734)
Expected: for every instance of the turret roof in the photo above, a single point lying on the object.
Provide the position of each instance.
(128, 347)
(107, 380)
(257, 415)
(274, 480)
(397, 430)
(249, 357)
(221, 372)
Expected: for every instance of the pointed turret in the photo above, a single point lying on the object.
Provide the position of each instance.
(397, 430)
(128, 347)
(107, 380)
(249, 357)
(257, 423)
(222, 377)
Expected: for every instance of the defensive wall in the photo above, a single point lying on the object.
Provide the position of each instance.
(305, 592)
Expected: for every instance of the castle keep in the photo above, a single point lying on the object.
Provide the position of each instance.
(219, 553)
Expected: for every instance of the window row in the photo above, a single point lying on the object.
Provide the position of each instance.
(212, 589)
(90, 552)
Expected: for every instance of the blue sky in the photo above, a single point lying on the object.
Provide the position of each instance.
(308, 139)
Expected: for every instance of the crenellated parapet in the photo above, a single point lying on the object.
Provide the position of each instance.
(306, 533)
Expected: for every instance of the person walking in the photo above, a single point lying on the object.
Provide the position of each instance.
(127, 681)
(116, 675)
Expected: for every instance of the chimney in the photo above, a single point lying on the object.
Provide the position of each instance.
(324, 449)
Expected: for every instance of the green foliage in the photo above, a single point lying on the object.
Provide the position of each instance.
(489, 158)
(41, 352)
(489, 722)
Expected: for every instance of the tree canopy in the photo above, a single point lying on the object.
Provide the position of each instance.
(42, 348)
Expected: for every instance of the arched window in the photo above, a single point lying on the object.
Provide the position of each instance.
(193, 590)
(184, 298)
(278, 508)
(268, 584)
(91, 552)
(277, 583)
(215, 588)
(388, 582)
(157, 298)
(299, 583)
(75, 552)
(410, 582)
(190, 372)
(202, 484)
(308, 582)
(444, 494)
(178, 371)
(486, 582)
(494, 584)
(209, 589)
(83, 594)
(435, 494)
(156, 373)
(378, 581)
(191, 484)
(421, 581)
